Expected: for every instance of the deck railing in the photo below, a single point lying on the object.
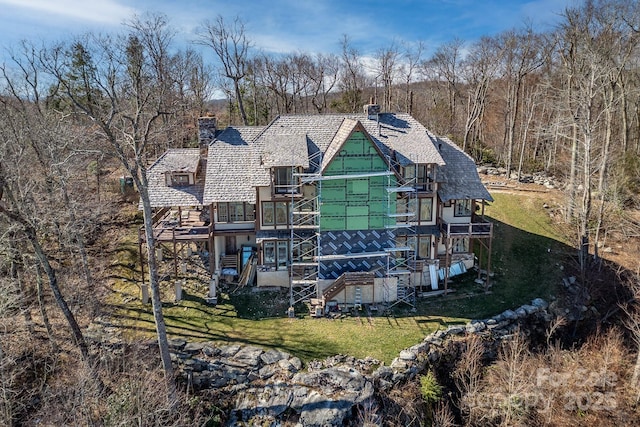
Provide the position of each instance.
(479, 228)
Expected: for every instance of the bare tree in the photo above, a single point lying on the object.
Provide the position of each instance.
(232, 47)
(386, 69)
(444, 64)
(127, 114)
(323, 74)
(479, 69)
(409, 68)
(522, 54)
(34, 149)
(352, 78)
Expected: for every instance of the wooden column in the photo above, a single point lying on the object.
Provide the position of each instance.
(175, 253)
(212, 258)
(446, 264)
(489, 260)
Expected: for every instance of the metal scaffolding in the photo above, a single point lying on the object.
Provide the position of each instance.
(304, 224)
(402, 213)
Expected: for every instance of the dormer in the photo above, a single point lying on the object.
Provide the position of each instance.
(182, 168)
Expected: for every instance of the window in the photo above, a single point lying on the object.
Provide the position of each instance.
(426, 210)
(424, 247)
(282, 216)
(304, 251)
(462, 207)
(460, 245)
(283, 181)
(235, 212)
(420, 174)
(424, 180)
(276, 253)
(282, 254)
(268, 215)
(223, 213)
(275, 213)
(179, 179)
(409, 172)
(269, 253)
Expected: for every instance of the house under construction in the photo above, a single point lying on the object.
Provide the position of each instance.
(345, 209)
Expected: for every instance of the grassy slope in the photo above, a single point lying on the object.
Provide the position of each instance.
(524, 267)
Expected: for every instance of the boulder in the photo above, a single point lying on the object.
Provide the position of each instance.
(455, 330)
(193, 347)
(229, 350)
(272, 356)
(407, 355)
(177, 343)
(540, 303)
(509, 315)
(249, 356)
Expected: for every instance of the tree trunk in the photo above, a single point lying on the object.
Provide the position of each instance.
(78, 337)
(243, 114)
(43, 309)
(156, 302)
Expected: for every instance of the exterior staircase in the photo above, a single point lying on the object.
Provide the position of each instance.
(348, 279)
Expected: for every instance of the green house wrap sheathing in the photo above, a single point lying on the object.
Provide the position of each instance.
(356, 203)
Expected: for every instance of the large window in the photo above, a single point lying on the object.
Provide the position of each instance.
(426, 210)
(283, 180)
(462, 207)
(235, 212)
(424, 247)
(420, 174)
(275, 253)
(275, 213)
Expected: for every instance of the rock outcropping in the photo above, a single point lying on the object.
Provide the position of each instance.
(267, 387)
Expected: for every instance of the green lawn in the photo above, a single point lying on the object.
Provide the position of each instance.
(526, 254)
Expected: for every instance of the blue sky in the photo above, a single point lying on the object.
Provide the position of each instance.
(288, 25)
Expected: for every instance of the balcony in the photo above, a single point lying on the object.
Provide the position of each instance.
(480, 228)
(184, 225)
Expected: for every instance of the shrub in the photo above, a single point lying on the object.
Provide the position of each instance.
(430, 390)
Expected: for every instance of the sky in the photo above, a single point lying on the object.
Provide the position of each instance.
(286, 26)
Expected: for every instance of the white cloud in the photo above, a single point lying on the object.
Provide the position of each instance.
(98, 11)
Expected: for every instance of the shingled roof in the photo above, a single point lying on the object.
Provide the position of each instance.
(459, 178)
(284, 149)
(233, 167)
(175, 160)
(398, 134)
(240, 157)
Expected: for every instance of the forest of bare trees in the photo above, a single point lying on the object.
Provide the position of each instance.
(565, 102)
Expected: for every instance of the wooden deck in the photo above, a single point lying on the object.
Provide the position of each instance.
(180, 226)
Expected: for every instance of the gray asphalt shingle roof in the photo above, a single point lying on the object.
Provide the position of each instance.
(240, 158)
(344, 131)
(233, 167)
(391, 132)
(284, 149)
(459, 178)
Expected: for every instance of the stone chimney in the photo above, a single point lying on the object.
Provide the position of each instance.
(207, 129)
(372, 111)
(207, 133)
